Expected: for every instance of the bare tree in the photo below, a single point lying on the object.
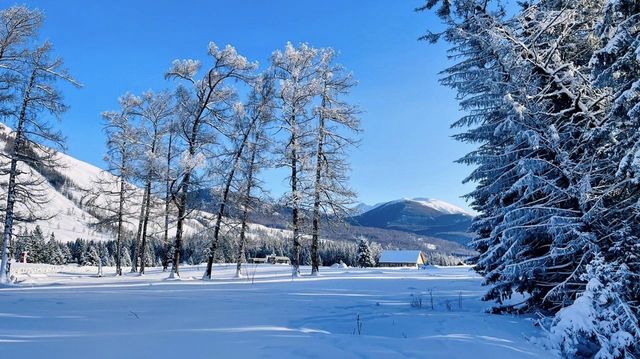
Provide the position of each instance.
(260, 104)
(337, 122)
(296, 69)
(255, 156)
(169, 177)
(200, 106)
(18, 26)
(155, 112)
(113, 194)
(34, 141)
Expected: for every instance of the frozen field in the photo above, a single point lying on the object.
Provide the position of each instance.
(67, 312)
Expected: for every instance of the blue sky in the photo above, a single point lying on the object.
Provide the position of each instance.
(113, 47)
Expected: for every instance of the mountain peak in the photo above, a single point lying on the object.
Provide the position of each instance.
(432, 203)
(439, 205)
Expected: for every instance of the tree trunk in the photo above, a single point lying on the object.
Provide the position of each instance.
(295, 220)
(167, 200)
(225, 196)
(147, 205)
(315, 258)
(182, 210)
(5, 265)
(216, 229)
(143, 244)
(136, 243)
(245, 212)
(120, 220)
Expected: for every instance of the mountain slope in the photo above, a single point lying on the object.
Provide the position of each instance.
(67, 188)
(428, 217)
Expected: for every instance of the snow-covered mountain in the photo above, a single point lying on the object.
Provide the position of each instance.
(423, 216)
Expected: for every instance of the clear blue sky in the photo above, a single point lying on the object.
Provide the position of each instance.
(117, 46)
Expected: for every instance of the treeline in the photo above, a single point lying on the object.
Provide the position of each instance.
(551, 94)
(40, 249)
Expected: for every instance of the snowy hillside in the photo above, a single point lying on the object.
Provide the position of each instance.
(70, 215)
(68, 212)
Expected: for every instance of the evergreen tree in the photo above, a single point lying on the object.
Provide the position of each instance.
(365, 257)
(54, 251)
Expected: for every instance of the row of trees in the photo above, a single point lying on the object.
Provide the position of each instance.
(40, 249)
(551, 96)
(206, 135)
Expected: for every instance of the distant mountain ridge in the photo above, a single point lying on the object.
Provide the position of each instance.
(421, 216)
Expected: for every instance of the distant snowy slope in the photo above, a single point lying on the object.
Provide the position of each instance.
(439, 205)
(422, 216)
(70, 215)
(67, 213)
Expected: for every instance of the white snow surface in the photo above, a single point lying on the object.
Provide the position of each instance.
(69, 312)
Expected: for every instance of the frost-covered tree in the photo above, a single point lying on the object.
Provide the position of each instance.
(201, 102)
(255, 157)
(337, 123)
(113, 194)
(246, 120)
(155, 113)
(365, 257)
(54, 251)
(18, 27)
(612, 195)
(549, 95)
(34, 141)
(296, 71)
(526, 112)
(169, 150)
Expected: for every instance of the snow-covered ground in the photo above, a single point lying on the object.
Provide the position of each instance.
(68, 312)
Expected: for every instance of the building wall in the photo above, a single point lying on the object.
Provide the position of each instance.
(392, 265)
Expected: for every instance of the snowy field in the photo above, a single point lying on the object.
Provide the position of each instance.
(67, 312)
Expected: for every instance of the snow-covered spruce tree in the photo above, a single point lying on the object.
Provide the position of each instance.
(34, 141)
(612, 195)
(337, 123)
(548, 239)
(245, 122)
(155, 112)
(364, 257)
(544, 238)
(296, 71)
(481, 77)
(54, 251)
(201, 103)
(600, 323)
(528, 120)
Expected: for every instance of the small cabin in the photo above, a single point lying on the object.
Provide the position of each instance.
(272, 259)
(402, 258)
